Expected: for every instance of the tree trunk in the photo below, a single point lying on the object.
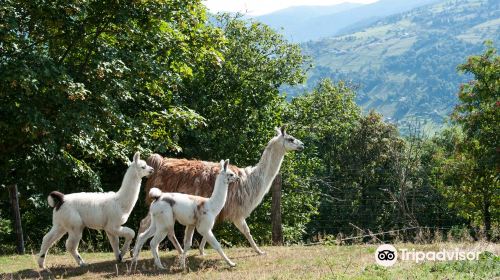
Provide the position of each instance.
(17, 219)
(487, 218)
(277, 235)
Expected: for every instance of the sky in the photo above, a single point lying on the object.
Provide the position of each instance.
(261, 7)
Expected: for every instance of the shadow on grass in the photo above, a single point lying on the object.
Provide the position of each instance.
(110, 269)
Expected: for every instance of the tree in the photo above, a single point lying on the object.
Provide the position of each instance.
(239, 98)
(479, 109)
(363, 172)
(324, 120)
(473, 165)
(84, 84)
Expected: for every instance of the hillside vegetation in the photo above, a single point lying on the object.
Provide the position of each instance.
(405, 65)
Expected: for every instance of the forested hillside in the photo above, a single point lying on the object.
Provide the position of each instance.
(405, 65)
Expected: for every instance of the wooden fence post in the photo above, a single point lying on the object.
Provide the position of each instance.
(14, 201)
(277, 235)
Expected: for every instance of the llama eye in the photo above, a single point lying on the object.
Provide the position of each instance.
(144, 167)
(290, 140)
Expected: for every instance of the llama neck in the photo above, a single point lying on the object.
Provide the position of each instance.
(219, 195)
(270, 163)
(128, 193)
(266, 170)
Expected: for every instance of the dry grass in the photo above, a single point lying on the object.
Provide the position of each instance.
(291, 262)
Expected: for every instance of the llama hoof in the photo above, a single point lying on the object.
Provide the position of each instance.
(262, 253)
(182, 264)
(41, 263)
(83, 264)
(159, 265)
(124, 253)
(231, 264)
(133, 265)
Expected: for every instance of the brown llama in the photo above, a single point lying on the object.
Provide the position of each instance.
(198, 178)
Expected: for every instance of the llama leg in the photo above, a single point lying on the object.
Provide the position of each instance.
(164, 223)
(140, 241)
(243, 227)
(188, 239)
(173, 239)
(115, 243)
(72, 242)
(155, 242)
(216, 245)
(145, 223)
(202, 246)
(125, 232)
(143, 226)
(48, 240)
(129, 235)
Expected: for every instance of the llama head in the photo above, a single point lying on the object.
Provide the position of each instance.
(140, 166)
(289, 142)
(228, 175)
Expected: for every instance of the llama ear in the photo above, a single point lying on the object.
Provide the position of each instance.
(221, 164)
(226, 163)
(283, 129)
(278, 131)
(137, 157)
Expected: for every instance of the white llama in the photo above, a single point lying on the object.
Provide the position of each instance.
(192, 211)
(108, 211)
(196, 177)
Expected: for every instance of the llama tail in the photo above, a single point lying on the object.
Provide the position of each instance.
(155, 161)
(155, 193)
(55, 199)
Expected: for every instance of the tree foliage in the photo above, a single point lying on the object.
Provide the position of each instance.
(85, 84)
(73, 91)
(366, 176)
(239, 96)
(469, 166)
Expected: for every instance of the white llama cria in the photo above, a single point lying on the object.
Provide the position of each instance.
(189, 210)
(107, 211)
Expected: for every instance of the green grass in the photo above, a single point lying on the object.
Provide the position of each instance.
(289, 262)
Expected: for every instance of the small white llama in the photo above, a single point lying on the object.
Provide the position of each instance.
(189, 210)
(107, 211)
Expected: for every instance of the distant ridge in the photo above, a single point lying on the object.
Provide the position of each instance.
(304, 23)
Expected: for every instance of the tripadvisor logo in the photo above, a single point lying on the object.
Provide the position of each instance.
(387, 255)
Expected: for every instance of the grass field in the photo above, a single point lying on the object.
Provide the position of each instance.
(289, 262)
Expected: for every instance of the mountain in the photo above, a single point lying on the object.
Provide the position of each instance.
(295, 22)
(304, 23)
(405, 65)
